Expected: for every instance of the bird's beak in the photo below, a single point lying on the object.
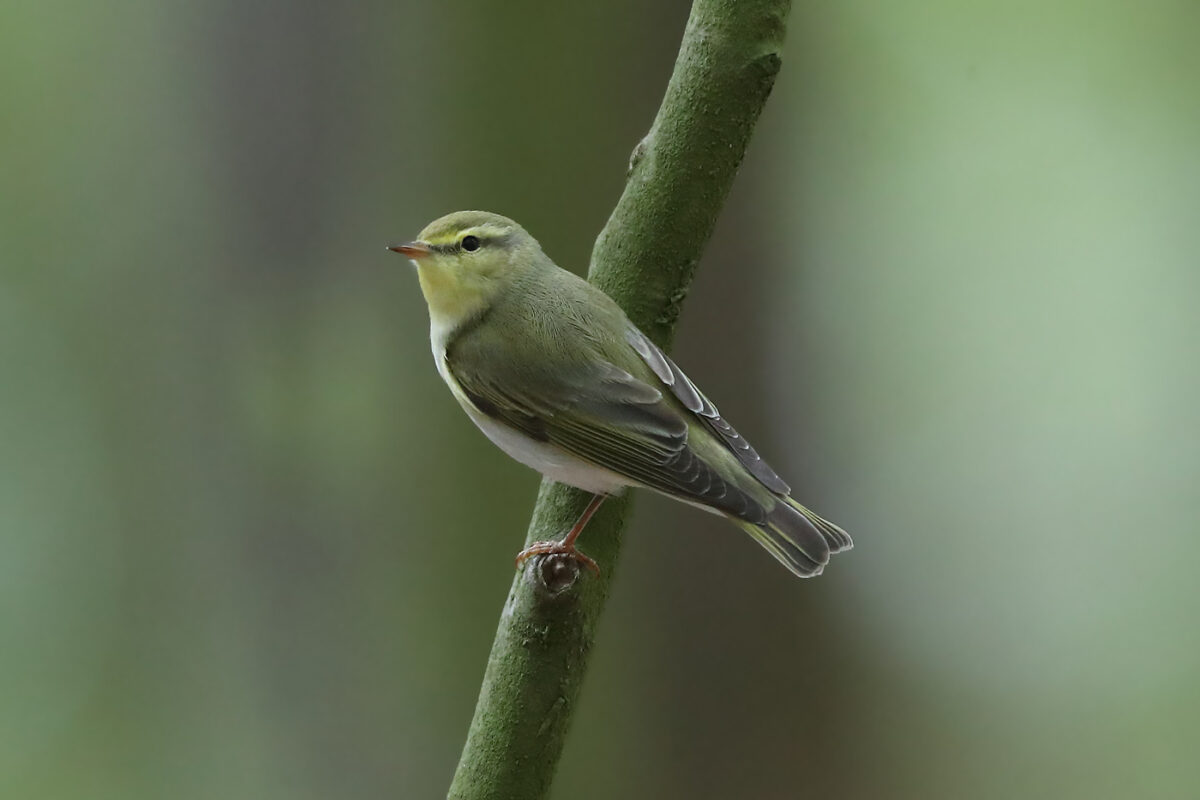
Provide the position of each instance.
(411, 249)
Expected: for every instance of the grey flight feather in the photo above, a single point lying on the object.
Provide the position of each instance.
(693, 400)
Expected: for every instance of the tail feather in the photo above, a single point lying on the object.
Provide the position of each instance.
(837, 538)
(799, 539)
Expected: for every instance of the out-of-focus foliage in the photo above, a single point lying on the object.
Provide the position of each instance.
(249, 546)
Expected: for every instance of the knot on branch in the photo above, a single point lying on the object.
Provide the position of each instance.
(768, 65)
(639, 152)
(553, 576)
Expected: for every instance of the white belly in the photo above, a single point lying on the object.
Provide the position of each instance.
(553, 462)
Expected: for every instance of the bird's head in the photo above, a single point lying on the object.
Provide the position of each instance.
(465, 259)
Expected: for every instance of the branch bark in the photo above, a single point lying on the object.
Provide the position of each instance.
(645, 258)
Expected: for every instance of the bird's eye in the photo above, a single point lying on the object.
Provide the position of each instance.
(470, 243)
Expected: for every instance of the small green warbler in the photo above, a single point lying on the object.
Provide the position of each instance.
(555, 374)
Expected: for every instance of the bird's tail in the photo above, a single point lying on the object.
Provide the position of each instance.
(798, 538)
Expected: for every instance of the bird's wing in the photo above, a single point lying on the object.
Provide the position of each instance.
(780, 515)
(601, 413)
(692, 399)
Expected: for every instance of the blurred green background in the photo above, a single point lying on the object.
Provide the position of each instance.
(250, 547)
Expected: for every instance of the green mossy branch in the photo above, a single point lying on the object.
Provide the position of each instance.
(645, 258)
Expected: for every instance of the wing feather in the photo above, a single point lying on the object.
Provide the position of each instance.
(686, 392)
(603, 414)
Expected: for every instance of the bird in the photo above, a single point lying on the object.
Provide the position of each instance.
(555, 374)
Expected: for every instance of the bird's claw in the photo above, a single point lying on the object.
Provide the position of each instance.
(556, 548)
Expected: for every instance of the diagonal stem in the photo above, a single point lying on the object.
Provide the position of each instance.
(644, 258)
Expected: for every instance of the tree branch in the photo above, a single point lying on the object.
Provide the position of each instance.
(644, 258)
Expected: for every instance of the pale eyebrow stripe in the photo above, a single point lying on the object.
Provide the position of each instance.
(485, 237)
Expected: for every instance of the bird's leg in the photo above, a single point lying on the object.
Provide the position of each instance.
(566, 546)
